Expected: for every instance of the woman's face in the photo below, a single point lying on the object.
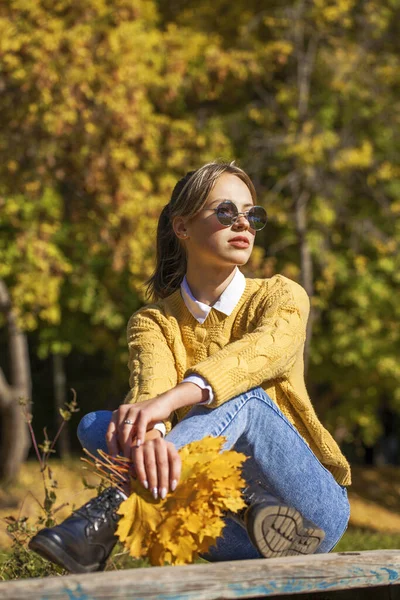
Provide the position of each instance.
(212, 244)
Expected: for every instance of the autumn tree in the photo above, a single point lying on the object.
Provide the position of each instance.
(316, 126)
(96, 126)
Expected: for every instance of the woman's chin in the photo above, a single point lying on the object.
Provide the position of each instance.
(238, 261)
(240, 257)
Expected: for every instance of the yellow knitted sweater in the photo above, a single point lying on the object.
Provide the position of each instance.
(260, 344)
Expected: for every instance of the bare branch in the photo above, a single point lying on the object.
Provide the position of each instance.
(366, 228)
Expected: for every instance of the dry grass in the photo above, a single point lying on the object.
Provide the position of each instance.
(375, 499)
(374, 496)
(23, 497)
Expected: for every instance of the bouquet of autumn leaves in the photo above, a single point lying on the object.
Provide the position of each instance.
(188, 521)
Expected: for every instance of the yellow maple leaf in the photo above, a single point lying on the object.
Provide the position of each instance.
(170, 526)
(159, 555)
(140, 518)
(187, 522)
(206, 543)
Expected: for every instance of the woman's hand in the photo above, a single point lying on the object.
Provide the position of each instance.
(143, 416)
(157, 462)
(131, 421)
(157, 465)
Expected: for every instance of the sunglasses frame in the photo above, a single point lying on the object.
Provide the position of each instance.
(238, 214)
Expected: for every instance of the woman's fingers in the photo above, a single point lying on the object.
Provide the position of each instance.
(126, 436)
(126, 428)
(138, 462)
(112, 435)
(150, 466)
(175, 466)
(158, 466)
(162, 461)
(132, 423)
(141, 426)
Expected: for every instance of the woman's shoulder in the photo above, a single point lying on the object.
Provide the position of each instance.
(156, 312)
(146, 315)
(279, 287)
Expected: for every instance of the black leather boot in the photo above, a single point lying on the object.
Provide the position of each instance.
(84, 541)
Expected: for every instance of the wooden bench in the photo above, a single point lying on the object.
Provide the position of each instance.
(355, 575)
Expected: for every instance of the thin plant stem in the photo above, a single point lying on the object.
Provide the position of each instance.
(57, 435)
(114, 470)
(60, 507)
(29, 493)
(35, 444)
(63, 423)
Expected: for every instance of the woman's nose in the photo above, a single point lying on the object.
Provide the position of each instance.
(241, 223)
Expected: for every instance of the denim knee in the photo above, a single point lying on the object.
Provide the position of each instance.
(92, 430)
(84, 426)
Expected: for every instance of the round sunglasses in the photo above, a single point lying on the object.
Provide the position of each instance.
(227, 214)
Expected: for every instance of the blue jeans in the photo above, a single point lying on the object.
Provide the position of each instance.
(278, 457)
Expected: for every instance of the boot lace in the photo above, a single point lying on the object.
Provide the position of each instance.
(102, 509)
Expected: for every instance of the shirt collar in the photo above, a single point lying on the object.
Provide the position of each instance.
(226, 302)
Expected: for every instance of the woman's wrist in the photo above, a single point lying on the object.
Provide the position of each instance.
(186, 394)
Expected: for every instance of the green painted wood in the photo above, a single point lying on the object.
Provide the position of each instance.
(261, 578)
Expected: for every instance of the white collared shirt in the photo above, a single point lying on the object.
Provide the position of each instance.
(226, 302)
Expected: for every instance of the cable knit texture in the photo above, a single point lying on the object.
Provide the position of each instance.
(260, 344)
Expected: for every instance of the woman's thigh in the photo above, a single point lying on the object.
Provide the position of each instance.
(285, 463)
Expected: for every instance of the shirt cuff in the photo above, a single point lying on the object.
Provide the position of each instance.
(202, 383)
(161, 428)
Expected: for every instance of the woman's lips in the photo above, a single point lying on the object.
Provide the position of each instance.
(239, 242)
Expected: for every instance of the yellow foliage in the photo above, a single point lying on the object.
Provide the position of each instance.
(361, 264)
(187, 522)
(333, 11)
(355, 158)
(387, 171)
(310, 146)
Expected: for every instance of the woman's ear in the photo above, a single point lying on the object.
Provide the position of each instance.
(179, 227)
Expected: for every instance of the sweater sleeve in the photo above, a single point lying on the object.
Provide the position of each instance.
(268, 352)
(151, 362)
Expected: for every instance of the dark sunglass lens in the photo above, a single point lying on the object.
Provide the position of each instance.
(226, 213)
(257, 217)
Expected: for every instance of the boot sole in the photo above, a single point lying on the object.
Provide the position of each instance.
(280, 531)
(51, 551)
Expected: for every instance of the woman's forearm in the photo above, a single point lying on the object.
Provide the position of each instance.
(186, 394)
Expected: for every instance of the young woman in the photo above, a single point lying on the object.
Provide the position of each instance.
(216, 354)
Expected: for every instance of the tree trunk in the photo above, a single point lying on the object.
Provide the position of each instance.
(15, 440)
(60, 398)
(306, 263)
(305, 52)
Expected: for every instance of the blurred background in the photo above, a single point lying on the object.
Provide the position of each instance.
(104, 104)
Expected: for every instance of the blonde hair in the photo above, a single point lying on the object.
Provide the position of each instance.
(187, 199)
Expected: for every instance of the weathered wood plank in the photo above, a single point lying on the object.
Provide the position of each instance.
(236, 579)
(384, 592)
